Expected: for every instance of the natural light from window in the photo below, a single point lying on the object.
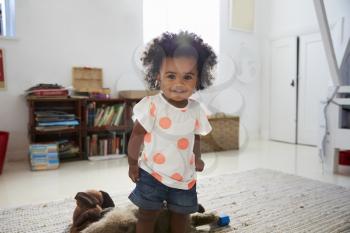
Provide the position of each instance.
(7, 18)
(198, 16)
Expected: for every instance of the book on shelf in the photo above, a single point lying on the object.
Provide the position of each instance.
(119, 115)
(53, 128)
(59, 123)
(79, 94)
(47, 91)
(50, 113)
(105, 115)
(67, 149)
(32, 97)
(105, 144)
(54, 120)
(90, 113)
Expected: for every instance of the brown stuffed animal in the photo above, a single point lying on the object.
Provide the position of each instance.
(91, 206)
(124, 221)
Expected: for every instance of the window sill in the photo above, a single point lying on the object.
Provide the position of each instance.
(8, 38)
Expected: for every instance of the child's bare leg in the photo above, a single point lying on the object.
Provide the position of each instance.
(179, 222)
(146, 221)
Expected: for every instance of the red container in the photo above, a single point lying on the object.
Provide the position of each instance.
(4, 137)
(344, 157)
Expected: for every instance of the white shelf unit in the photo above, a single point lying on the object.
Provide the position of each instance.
(106, 157)
(339, 135)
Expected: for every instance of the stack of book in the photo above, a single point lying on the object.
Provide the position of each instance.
(47, 91)
(105, 146)
(43, 156)
(67, 149)
(103, 93)
(105, 115)
(54, 120)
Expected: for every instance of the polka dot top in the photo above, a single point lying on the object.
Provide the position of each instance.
(168, 144)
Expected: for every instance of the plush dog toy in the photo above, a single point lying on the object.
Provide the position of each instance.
(91, 206)
(96, 213)
(123, 220)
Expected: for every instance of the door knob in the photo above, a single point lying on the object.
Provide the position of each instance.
(292, 83)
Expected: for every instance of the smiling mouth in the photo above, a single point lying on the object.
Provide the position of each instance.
(179, 91)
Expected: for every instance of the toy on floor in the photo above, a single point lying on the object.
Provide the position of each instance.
(95, 214)
(91, 206)
(124, 221)
(223, 220)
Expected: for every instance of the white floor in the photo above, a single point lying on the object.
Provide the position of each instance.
(19, 185)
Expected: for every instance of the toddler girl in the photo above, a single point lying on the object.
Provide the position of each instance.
(168, 126)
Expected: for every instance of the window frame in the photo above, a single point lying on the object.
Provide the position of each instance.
(7, 20)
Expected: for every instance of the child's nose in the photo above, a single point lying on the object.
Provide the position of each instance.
(179, 81)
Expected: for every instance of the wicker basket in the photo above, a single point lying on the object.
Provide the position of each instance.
(224, 136)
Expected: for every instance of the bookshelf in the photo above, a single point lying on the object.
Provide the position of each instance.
(107, 121)
(50, 110)
(107, 127)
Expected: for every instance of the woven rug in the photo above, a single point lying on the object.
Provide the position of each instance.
(257, 201)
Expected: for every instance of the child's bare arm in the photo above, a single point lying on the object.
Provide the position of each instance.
(134, 146)
(197, 151)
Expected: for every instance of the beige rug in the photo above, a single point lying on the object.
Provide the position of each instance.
(257, 201)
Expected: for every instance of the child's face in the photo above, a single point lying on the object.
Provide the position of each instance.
(178, 77)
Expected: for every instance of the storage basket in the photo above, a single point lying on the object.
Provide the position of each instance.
(224, 136)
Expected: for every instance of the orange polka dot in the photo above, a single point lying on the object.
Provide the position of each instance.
(192, 159)
(197, 124)
(177, 176)
(147, 138)
(145, 156)
(191, 184)
(159, 158)
(152, 110)
(182, 143)
(183, 110)
(165, 122)
(157, 176)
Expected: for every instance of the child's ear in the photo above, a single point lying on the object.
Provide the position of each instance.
(157, 83)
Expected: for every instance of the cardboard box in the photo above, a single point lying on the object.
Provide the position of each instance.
(87, 79)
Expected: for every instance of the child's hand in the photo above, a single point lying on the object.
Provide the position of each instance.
(134, 173)
(199, 165)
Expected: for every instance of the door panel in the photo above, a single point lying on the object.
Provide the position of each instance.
(313, 81)
(283, 90)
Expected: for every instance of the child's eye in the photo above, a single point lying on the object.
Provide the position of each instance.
(188, 77)
(171, 76)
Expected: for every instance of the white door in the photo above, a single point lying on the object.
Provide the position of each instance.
(283, 90)
(313, 81)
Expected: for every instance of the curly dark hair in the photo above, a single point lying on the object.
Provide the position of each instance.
(176, 45)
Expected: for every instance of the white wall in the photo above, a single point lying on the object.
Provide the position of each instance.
(52, 37)
(233, 92)
(286, 18)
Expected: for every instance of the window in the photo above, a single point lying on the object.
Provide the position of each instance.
(7, 18)
(198, 16)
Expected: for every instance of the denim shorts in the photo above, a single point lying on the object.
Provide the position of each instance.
(150, 194)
